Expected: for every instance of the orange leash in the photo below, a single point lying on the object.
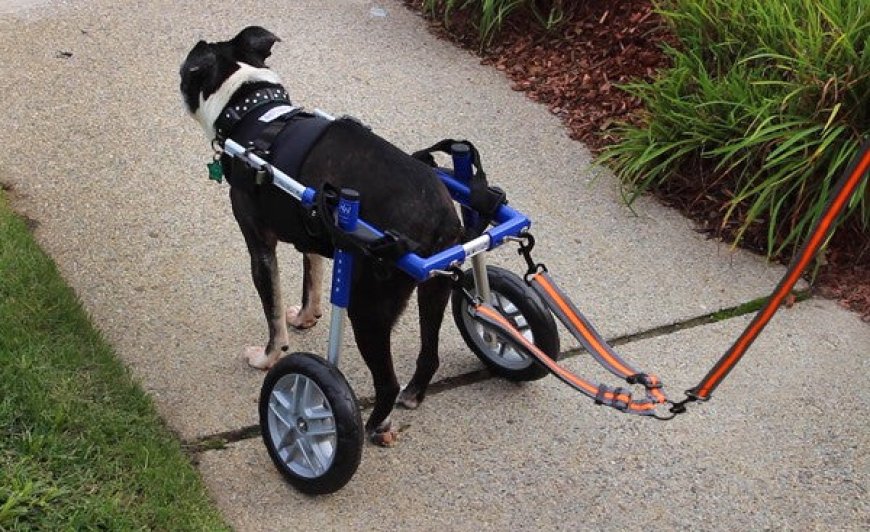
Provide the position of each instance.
(844, 190)
(562, 307)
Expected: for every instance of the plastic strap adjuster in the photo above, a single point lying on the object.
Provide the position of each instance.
(263, 176)
(618, 402)
(649, 382)
(600, 398)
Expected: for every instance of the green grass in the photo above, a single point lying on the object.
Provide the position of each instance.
(769, 99)
(490, 15)
(81, 446)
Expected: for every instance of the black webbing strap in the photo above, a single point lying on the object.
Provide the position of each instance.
(242, 174)
(263, 143)
(262, 146)
(284, 141)
(485, 200)
(386, 249)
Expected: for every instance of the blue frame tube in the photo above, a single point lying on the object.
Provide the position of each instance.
(342, 269)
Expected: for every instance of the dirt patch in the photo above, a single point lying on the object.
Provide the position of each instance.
(12, 195)
(575, 70)
(846, 276)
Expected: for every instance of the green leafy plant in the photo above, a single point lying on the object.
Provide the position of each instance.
(766, 101)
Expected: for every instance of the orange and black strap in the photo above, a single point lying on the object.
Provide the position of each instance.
(845, 188)
(618, 398)
(580, 327)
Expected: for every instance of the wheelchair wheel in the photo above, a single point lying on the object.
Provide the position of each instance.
(524, 309)
(311, 424)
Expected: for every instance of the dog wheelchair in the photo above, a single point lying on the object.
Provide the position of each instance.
(309, 416)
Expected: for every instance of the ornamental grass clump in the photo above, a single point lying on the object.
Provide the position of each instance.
(490, 15)
(765, 105)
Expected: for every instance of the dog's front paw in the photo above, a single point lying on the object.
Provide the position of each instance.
(301, 318)
(257, 358)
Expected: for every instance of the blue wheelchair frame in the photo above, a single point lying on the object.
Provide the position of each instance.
(507, 224)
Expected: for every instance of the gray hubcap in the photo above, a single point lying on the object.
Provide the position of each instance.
(491, 345)
(302, 425)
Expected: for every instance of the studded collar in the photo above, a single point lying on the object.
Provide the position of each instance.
(252, 96)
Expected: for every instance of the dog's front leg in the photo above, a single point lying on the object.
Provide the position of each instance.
(264, 270)
(306, 316)
(261, 245)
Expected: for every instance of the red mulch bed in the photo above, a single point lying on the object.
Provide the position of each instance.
(574, 71)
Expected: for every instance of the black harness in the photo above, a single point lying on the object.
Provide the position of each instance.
(262, 118)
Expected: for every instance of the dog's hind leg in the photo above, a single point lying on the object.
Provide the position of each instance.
(432, 297)
(306, 316)
(375, 305)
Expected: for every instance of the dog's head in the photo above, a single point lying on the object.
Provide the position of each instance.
(213, 72)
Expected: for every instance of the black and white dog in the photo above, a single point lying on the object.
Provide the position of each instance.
(218, 83)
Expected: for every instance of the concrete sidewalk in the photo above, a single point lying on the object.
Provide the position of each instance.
(100, 154)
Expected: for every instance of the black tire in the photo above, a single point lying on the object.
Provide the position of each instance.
(523, 305)
(329, 428)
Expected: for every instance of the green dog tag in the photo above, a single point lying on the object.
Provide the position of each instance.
(215, 171)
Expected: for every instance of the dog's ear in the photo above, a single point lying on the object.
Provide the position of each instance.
(254, 44)
(197, 72)
(201, 58)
